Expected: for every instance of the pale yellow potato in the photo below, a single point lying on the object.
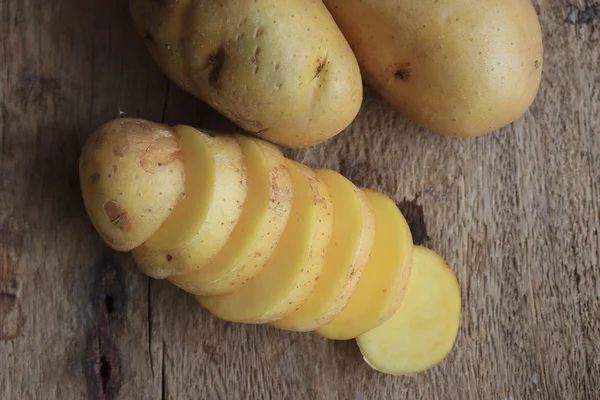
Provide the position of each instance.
(423, 330)
(201, 225)
(291, 273)
(457, 67)
(347, 255)
(279, 69)
(261, 223)
(132, 177)
(381, 287)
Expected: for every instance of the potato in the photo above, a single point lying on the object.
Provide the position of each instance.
(259, 238)
(423, 330)
(261, 223)
(202, 224)
(279, 69)
(132, 177)
(347, 255)
(290, 275)
(383, 282)
(459, 68)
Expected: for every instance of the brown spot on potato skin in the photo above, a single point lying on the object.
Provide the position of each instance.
(119, 152)
(100, 141)
(95, 178)
(321, 62)
(403, 72)
(148, 36)
(160, 153)
(117, 216)
(320, 69)
(215, 65)
(254, 60)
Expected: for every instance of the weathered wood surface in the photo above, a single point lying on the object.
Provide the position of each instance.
(515, 213)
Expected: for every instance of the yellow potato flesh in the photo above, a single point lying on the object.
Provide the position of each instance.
(196, 234)
(260, 226)
(347, 255)
(423, 330)
(381, 286)
(290, 274)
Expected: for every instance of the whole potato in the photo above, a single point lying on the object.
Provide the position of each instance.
(279, 69)
(457, 67)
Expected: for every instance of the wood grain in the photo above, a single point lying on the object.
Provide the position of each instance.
(516, 214)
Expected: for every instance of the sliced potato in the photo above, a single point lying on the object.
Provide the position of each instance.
(423, 330)
(347, 255)
(291, 273)
(132, 177)
(263, 219)
(193, 235)
(383, 281)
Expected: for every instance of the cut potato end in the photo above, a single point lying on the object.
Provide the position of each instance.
(347, 255)
(290, 274)
(261, 223)
(227, 196)
(423, 330)
(132, 176)
(382, 284)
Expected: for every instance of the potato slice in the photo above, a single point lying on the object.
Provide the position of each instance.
(263, 219)
(423, 330)
(347, 255)
(383, 281)
(291, 273)
(132, 176)
(201, 225)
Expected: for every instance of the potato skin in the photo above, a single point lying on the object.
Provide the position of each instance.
(131, 177)
(459, 68)
(279, 69)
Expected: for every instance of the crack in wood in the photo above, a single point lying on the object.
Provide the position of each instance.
(102, 361)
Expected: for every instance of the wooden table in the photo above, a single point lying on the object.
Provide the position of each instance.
(516, 214)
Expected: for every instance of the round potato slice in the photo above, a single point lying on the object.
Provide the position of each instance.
(291, 273)
(423, 330)
(203, 222)
(132, 177)
(263, 219)
(347, 255)
(381, 287)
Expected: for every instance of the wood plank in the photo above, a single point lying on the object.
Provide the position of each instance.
(515, 213)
